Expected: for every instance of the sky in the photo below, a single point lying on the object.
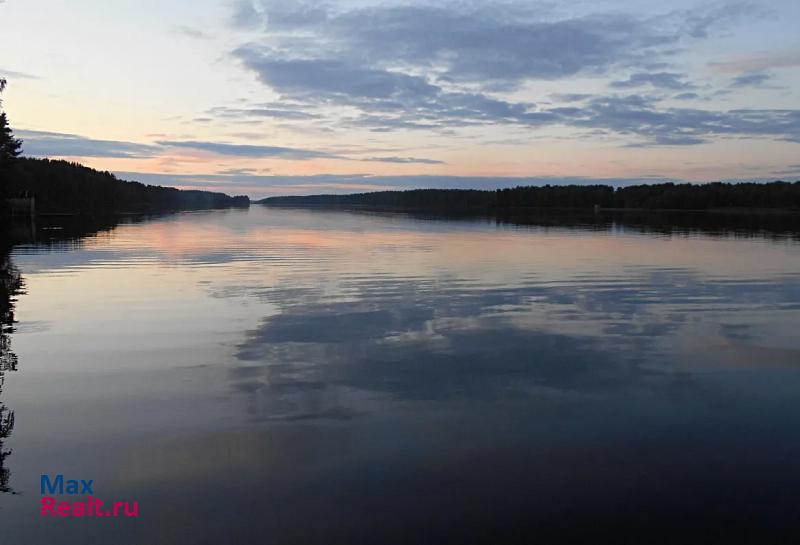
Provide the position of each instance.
(278, 97)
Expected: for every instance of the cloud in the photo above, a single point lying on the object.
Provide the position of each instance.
(639, 119)
(386, 98)
(246, 150)
(245, 15)
(790, 171)
(192, 32)
(54, 144)
(268, 111)
(438, 68)
(315, 77)
(476, 43)
(650, 124)
(659, 80)
(750, 79)
(640, 116)
(697, 23)
(11, 74)
(758, 63)
(241, 171)
(570, 97)
(404, 160)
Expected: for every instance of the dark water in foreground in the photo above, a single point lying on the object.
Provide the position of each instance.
(289, 376)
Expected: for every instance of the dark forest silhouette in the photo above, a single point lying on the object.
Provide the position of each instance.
(10, 148)
(668, 196)
(61, 186)
(65, 187)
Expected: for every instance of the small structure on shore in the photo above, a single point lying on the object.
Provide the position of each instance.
(22, 206)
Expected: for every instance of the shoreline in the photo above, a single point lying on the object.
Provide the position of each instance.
(495, 210)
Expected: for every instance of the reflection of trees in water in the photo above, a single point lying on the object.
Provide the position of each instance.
(69, 229)
(44, 232)
(10, 284)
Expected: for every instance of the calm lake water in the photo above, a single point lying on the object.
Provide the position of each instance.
(308, 376)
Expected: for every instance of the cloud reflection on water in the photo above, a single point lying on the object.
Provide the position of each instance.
(434, 340)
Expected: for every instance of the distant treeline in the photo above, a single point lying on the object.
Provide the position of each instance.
(669, 196)
(414, 198)
(61, 186)
(656, 196)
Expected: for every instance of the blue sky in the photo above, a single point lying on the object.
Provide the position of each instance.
(276, 97)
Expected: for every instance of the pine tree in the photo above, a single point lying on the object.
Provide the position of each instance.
(10, 147)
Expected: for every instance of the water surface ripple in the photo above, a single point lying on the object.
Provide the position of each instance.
(311, 376)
